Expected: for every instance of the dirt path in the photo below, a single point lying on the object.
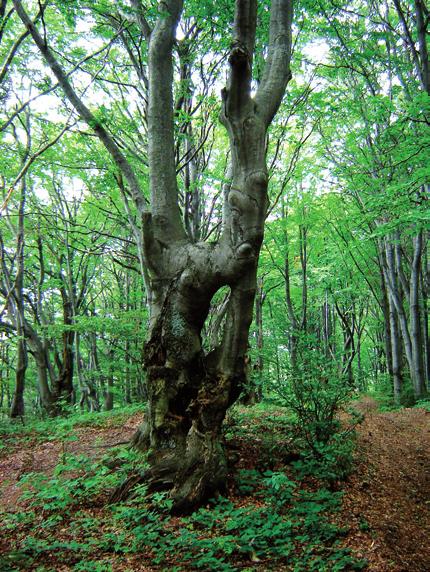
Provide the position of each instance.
(387, 500)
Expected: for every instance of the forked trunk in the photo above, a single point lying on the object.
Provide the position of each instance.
(189, 391)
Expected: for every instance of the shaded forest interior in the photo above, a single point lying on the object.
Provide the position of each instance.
(214, 239)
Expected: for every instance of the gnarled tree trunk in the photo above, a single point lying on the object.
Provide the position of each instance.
(189, 391)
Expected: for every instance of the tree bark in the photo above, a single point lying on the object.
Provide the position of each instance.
(63, 384)
(417, 372)
(253, 392)
(189, 391)
(396, 354)
(17, 407)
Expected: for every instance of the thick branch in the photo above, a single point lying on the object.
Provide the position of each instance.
(408, 37)
(240, 59)
(83, 110)
(422, 25)
(277, 71)
(141, 20)
(11, 55)
(163, 185)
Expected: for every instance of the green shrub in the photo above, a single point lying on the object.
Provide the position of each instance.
(316, 393)
(423, 404)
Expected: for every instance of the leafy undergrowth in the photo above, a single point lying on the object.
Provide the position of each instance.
(282, 510)
(279, 514)
(16, 433)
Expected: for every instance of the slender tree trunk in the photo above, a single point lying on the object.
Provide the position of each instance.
(17, 408)
(108, 396)
(63, 385)
(396, 355)
(386, 310)
(2, 375)
(252, 393)
(347, 319)
(46, 398)
(327, 327)
(425, 303)
(415, 319)
(89, 397)
(361, 382)
(259, 301)
(294, 333)
(303, 234)
(394, 292)
(127, 349)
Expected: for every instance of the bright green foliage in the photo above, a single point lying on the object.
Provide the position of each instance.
(349, 171)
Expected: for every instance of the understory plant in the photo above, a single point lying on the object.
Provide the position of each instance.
(316, 393)
(272, 521)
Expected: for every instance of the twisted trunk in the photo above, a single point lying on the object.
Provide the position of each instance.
(190, 391)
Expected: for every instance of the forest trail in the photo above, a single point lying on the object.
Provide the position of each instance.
(387, 499)
(386, 502)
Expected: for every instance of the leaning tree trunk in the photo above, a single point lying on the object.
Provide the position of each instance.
(189, 391)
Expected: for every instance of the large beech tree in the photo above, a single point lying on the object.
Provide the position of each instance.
(189, 390)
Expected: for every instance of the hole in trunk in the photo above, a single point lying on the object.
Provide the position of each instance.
(213, 327)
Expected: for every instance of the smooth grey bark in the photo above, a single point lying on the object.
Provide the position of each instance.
(298, 321)
(396, 353)
(347, 320)
(259, 302)
(396, 297)
(189, 391)
(386, 311)
(327, 327)
(418, 377)
(401, 290)
(253, 391)
(425, 281)
(294, 322)
(17, 407)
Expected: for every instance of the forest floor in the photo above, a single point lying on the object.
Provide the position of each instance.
(385, 506)
(387, 498)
